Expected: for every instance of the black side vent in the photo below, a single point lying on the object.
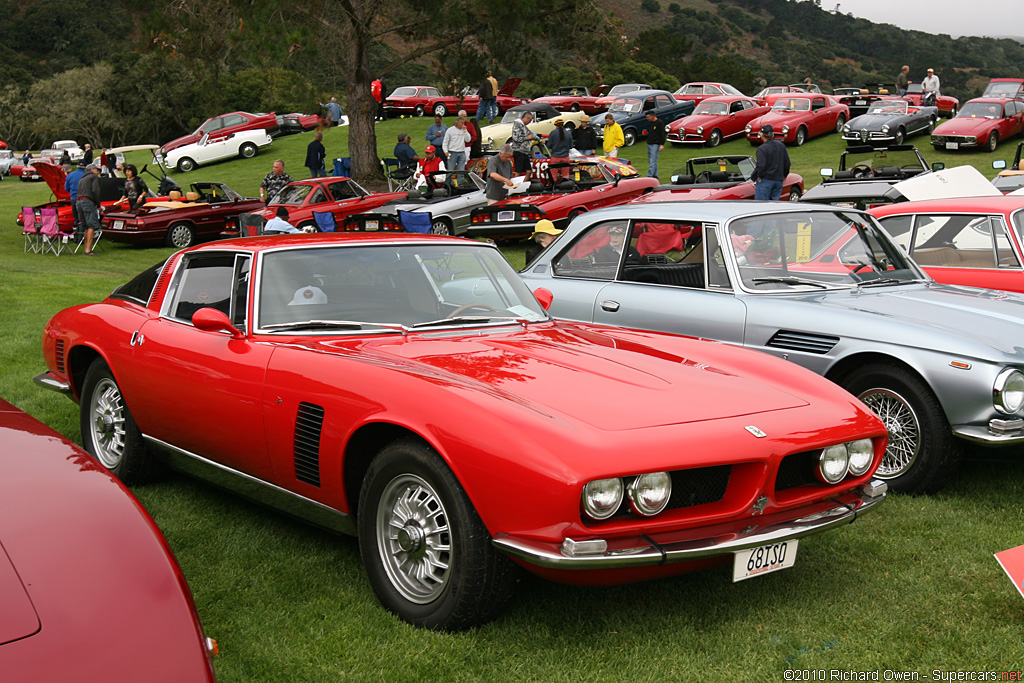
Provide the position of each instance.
(803, 341)
(797, 469)
(59, 351)
(308, 424)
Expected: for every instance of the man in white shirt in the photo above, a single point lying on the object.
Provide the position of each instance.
(279, 225)
(930, 86)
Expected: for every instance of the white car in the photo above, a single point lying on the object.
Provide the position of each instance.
(74, 151)
(7, 159)
(243, 143)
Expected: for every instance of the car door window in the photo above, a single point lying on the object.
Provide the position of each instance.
(319, 196)
(898, 228)
(818, 103)
(663, 101)
(963, 241)
(340, 191)
(594, 254)
(213, 124)
(234, 120)
(665, 253)
(203, 281)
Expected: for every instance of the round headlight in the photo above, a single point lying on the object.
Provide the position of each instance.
(846, 128)
(601, 498)
(700, 130)
(668, 129)
(1008, 391)
(885, 128)
(861, 452)
(833, 463)
(649, 493)
(785, 129)
(746, 128)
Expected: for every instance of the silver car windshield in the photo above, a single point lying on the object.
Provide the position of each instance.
(816, 250)
(389, 288)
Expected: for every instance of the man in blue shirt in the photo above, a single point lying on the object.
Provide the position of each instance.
(404, 152)
(333, 110)
(71, 185)
(435, 137)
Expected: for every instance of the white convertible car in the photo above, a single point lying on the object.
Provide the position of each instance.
(243, 143)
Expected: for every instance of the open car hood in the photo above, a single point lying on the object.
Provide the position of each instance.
(54, 177)
(509, 87)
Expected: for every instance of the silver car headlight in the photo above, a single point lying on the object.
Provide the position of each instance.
(1008, 391)
(861, 452)
(700, 130)
(649, 493)
(602, 497)
(785, 129)
(885, 128)
(833, 463)
(747, 128)
(846, 128)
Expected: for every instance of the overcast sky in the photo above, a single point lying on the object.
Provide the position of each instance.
(955, 17)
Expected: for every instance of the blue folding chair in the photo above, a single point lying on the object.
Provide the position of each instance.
(325, 221)
(343, 167)
(415, 221)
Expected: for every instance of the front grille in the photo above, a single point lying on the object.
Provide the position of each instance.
(60, 355)
(697, 486)
(797, 470)
(805, 342)
(308, 424)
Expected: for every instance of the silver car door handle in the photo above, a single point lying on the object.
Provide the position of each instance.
(609, 305)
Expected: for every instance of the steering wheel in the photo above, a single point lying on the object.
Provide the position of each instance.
(863, 171)
(703, 177)
(466, 307)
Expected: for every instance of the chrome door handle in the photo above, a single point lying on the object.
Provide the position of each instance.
(137, 339)
(609, 305)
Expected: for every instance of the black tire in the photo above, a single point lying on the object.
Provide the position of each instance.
(573, 214)
(993, 142)
(801, 137)
(575, 107)
(923, 453)
(418, 111)
(440, 226)
(794, 193)
(900, 136)
(247, 150)
(109, 432)
(570, 126)
(309, 226)
(953, 111)
(186, 164)
(938, 148)
(629, 137)
(180, 235)
(714, 138)
(440, 110)
(427, 555)
(840, 122)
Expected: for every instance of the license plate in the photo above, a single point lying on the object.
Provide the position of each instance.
(506, 215)
(952, 145)
(764, 559)
(372, 225)
(118, 225)
(859, 103)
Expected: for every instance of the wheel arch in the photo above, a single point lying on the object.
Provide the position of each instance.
(364, 445)
(844, 367)
(80, 358)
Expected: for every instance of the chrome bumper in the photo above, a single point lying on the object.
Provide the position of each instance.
(985, 435)
(48, 381)
(652, 553)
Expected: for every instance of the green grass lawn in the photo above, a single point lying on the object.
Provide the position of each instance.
(911, 587)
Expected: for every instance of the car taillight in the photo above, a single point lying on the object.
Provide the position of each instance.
(481, 218)
(529, 215)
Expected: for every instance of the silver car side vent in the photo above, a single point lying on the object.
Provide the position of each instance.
(309, 423)
(59, 354)
(804, 342)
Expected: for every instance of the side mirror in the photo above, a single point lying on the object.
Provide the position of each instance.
(212, 320)
(827, 173)
(938, 165)
(544, 297)
(1000, 164)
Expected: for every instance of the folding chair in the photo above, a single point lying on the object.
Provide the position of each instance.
(49, 231)
(343, 167)
(30, 229)
(325, 221)
(399, 177)
(415, 221)
(250, 224)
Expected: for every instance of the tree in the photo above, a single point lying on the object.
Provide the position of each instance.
(69, 105)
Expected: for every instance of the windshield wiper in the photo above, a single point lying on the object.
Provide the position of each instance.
(788, 280)
(466, 319)
(333, 324)
(887, 281)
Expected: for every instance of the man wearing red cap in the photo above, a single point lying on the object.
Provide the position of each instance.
(427, 167)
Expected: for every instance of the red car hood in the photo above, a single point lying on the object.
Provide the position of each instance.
(782, 117)
(691, 122)
(368, 203)
(618, 382)
(54, 177)
(965, 125)
(508, 88)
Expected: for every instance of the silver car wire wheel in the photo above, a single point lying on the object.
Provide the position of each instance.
(414, 539)
(903, 426)
(107, 423)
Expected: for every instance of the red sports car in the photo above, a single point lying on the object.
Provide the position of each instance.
(973, 241)
(206, 211)
(982, 122)
(1005, 87)
(339, 196)
(718, 177)
(799, 117)
(768, 95)
(90, 589)
(700, 90)
(417, 100)
(224, 125)
(575, 98)
(616, 92)
(410, 389)
(591, 185)
(947, 104)
(715, 119)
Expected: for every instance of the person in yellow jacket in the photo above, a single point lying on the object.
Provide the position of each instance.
(613, 138)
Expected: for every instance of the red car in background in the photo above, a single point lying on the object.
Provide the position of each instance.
(718, 177)
(111, 189)
(1005, 87)
(699, 91)
(715, 119)
(575, 98)
(224, 125)
(417, 100)
(981, 123)
(591, 185)
(798, 117)
(339, 196)
(972, 241)
(947, 104)
(90, 589)
(773, 92)
(610, 96)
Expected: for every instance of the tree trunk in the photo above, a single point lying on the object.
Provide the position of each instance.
(362, 110)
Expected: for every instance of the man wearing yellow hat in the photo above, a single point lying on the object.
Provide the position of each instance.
(544, 233)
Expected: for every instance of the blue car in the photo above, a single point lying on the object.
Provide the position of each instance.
(630, 112)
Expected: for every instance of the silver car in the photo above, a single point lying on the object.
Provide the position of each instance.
(449, 204)
(822, 286)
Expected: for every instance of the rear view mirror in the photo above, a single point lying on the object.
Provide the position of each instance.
(938, 165)
(544, 297)
(1000, 164)
(827, 173)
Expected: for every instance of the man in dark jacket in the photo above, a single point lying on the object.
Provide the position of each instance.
(89, 205)
(559, 142)
(585, 137)
(486, 95)
(772, 166)
(655, 143)
(315, 154)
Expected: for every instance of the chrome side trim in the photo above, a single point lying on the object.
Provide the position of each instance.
(982, 434)
(48, 381)
(548, 554)
(254, 489)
